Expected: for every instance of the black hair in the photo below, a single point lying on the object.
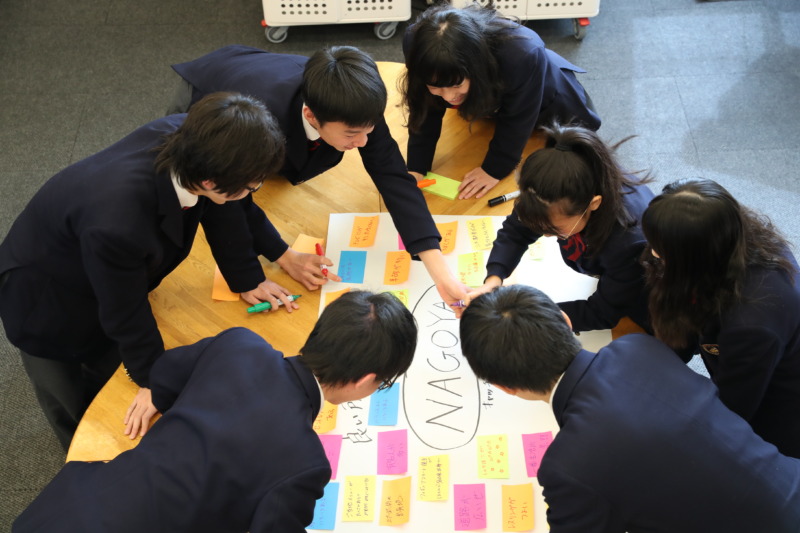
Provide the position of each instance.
(228, 138)
(343, 84)
(516, 337)
(360, 333)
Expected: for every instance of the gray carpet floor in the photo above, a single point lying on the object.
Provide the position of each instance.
(710, 88)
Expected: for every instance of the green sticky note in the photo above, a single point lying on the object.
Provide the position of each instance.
(444, 187)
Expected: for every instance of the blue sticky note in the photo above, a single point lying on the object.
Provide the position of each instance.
(383, 406)
(325, 509)
(351, 266)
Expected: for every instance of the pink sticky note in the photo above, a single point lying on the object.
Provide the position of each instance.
(534, 445)
(469, 507)
(333, 446)
(393, 452)
(400, 245)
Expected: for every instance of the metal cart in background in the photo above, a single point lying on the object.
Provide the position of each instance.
(577, 10)
(279, 15)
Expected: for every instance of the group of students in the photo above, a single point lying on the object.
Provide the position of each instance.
(642, 438)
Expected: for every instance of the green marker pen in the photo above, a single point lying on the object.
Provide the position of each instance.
(265, 306)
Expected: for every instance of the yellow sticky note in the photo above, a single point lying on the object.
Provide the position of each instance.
(331, 296)
(493, 456)
(359, 498)
(448, 231)
(444, 187)
(220, 289)
(326, 419)
(363, 233)
(398, 264)
(306, 244)
(471, 269)
(518, 507)
(434, 478)
(481, 233)
(537, 251)
(395, 501)
(402, 295)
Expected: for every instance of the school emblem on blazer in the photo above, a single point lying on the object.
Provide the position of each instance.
(712, 349)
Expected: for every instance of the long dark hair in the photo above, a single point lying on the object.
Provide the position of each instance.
(705, 240)
(574, 166)
(447, 46)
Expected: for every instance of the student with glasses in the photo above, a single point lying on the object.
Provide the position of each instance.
(574, 189)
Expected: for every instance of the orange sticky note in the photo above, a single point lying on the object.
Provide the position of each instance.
(517, 507)
(398, 265)
(493, 457)
(331, 296)
(434, 478)
(359, 498)
(448, 231)
(306, 244)
(220, 290)
(481, 233)
(395, 500)
(326, 419)
(364, 230)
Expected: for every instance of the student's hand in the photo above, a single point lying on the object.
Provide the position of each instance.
(307, 268)
(137, 419)
(476, 183)
(450, 289)
(488, 286)
(417, 175)
(269, 291)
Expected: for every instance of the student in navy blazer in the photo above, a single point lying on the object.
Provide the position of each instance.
(81, 258)
(725, 284)
(645, 444)
(335, 100)
(235, 450)
(485, 65)
(574, 189)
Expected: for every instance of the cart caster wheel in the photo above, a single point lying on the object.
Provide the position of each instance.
(579, 27)
(385, 30)
(276, 34)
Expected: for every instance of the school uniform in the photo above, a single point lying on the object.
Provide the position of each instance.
(276, 79)
(540, 87)
(235, 451)
(621, 287)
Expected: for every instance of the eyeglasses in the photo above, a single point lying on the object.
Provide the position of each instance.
(386, 384)
(570, 232)
(254, 189)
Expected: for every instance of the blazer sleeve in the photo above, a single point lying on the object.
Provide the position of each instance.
(289, 507)
(573, 507)
(172, 371)
(422, 144)
(509, 246)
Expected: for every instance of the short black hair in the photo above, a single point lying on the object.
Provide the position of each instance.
(228, 138)
(516, 336)
(343, 84)
(360, 333)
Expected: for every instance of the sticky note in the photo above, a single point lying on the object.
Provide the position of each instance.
(351, 266)
(331, 296)
(332, 444)
(537, 251)
(448, 231)
(444, 187)
(433, 479)
(534, 445)
(493, 457)
(395, 500)
(401, 294)
(400, 244)
(471, 269)
(481, 233)
(326, 419)
(359, 499)
(398, 265)
(364, 231)
(306, 244)
(469, 507)
(393, 452)
(383, 407)
(325, 508)
(517, 501)
(220, 290)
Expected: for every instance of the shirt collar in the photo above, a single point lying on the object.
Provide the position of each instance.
(321, 394)
(311, 133)
(185, 198)
(553, 390)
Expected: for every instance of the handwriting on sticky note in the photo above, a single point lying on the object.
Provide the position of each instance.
(469, 506)
(398, 265)
(448, 231)
(471, 269)
(306, 244)
(383, 407)
(359, 499)
(220, 290)
(326, 419)
(364, 231)
(393, 452)
(401, 294)
(351, 266)
(325, 508)
(433, 478)
(395, 500)
(331, 296)
(332, 444)
(517, 507)
(481, 233)
(493, 456)
(444, 187)
(534, 446)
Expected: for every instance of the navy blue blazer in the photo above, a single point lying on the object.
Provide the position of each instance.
(646, 445)
(540, 87)
(752, 353)
(621, 289)
(98, 237)
(276, 79)
(235, 451)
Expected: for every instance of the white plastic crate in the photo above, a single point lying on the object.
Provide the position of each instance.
(279, 15)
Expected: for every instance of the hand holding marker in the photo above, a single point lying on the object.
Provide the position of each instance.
(266, 306)
(319, 253)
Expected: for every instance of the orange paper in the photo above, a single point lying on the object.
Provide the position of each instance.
(448, 231)
(331, 296)
(326, 419)
(518, 507)
(364, 230)
(220, 291)
(398, 265)
(306, 244)
(395, 500)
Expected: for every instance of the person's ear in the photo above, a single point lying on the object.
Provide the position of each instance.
(595, 203)
(566, 319)
(310, 117)
(366, 383)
